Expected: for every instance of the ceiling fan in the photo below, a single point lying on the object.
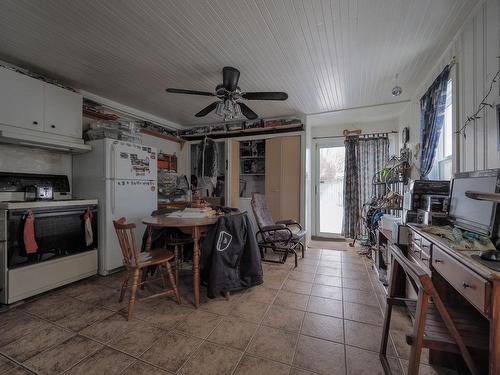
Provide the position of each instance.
(229, 105)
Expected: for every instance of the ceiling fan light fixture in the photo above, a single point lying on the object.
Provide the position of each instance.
(237, 110)
(219, 110)
(228, 107)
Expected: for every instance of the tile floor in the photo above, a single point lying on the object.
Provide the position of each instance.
(323, 317)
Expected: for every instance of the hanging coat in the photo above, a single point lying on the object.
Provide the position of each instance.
(230, 258)
(207, 158)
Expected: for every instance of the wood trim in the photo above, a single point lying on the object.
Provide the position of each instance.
(166, 137)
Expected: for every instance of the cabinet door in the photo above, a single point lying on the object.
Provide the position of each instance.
(63, 112)
(290, 179)
(21, 100)
(274, 176)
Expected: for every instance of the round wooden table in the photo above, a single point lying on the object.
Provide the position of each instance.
(194, 227)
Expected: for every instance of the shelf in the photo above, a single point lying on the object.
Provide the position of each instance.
(245, 133)
(167, 137)
(252, 174)
(252, 157)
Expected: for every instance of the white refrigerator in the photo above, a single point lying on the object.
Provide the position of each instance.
(123, 177)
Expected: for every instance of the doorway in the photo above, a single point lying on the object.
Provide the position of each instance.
(329, 189)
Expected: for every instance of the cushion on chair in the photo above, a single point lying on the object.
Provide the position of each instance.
(299, 234)
(261, 211)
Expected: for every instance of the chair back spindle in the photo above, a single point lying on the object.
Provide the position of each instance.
(126, 239)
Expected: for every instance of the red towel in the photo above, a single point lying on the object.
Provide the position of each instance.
(29, 233)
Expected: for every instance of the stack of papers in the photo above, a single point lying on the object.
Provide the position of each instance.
(193, 213)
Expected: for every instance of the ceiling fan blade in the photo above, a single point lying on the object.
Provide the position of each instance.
(189, 92)
(247, 112)
(205, 111)
(265, 95)
(231, 76)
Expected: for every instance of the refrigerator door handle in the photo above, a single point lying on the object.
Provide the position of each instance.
(113, 181)
(113, 161)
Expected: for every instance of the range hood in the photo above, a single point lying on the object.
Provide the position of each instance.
(45, 142)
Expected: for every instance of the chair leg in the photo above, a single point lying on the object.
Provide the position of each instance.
(385, 338)
(143, 278)
(303, 249)
(418, 333)
(136, 276)
(172, 281)
(162, 278)
(124, 286)
(177, 263)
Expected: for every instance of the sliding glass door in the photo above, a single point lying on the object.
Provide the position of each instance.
(329, 189)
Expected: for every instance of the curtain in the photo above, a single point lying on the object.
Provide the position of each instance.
(363, 158)
(351, 193)
(373, 155)
(432, 106)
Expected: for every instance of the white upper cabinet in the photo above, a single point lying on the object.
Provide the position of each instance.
(21, 100)
(32, 104)
(63, 112)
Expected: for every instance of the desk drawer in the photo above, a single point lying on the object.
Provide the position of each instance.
(470, 285)
(416, 238)
(420, 249)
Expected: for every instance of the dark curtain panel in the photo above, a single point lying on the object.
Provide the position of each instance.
(363, 158)
(351, 194)
(432, 106)
(372, 156)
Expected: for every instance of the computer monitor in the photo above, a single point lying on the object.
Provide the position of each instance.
(470, 214)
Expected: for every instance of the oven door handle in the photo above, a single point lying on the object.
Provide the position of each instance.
(113, 196)
(39, 215)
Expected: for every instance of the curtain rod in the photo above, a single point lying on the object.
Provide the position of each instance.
(367, 135)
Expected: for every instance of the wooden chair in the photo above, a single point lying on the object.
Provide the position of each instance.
(436, 326)
(169, 239)
(137, 263)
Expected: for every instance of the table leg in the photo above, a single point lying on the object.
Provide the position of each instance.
(196, 266)
(150, 239)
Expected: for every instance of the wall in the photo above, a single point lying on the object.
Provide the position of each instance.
(19, 159)
(476, 46)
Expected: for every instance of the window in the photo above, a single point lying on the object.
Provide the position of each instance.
(442, 168)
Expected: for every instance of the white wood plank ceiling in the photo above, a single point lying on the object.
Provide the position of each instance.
(327, 54)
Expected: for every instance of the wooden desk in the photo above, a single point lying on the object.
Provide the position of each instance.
(194, 227)
(478, 284)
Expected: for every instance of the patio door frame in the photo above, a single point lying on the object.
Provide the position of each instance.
(317, 145)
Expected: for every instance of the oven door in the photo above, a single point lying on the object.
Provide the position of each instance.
(59, 232)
